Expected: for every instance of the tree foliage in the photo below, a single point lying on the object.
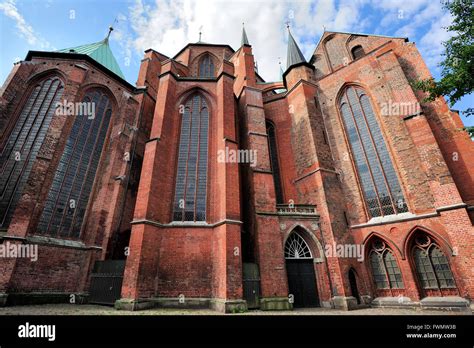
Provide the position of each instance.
(457, 74)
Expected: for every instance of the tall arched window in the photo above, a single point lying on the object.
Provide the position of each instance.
(384, 267)
(24, 142)
(380, 185)
(432, 266)
(69, 194)
(272, 147)
(191, 177)
(206, 66)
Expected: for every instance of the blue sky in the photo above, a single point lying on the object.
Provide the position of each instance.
(167, 25)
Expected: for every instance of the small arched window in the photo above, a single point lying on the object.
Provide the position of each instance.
(24, 142)
(297, 248)
(384, 267)
(275, 166)
(191, 177)
(206, 66)
(379, 182)
(432, 266)
(357, 52)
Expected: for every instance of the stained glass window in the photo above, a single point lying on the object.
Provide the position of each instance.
(206, 66)
(24, 142)
(272, 147)
(378, 271)
(191, 177)
(69, 194)
(394, 274)
(385, 270)
(379, 182)
(432, 266)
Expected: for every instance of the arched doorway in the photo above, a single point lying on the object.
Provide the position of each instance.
(300, 271)
(353, 284)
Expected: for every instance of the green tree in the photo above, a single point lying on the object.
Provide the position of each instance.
(457, 74)
(470, 130)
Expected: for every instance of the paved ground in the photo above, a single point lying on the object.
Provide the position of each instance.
(67, 309)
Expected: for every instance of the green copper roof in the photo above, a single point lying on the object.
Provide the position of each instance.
(100, 52)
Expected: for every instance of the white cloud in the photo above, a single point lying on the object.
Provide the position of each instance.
(168, 25)
(26, 31)
(431, 44)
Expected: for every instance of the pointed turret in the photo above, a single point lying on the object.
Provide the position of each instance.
(245, 39)
(100, 52)
(297, 68)
(294, 54)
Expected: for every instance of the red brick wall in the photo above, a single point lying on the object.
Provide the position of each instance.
(106, 209)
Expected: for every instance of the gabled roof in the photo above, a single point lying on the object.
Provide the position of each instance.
(351, 33)
(202, 44)
(100, 52)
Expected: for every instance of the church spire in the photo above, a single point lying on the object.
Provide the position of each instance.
(294, 55)
(245, 39)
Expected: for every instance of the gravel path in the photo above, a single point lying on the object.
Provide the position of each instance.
(68, 309)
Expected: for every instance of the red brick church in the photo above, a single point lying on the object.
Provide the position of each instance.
(205, 186)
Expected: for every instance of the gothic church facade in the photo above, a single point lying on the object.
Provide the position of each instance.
(337, 186)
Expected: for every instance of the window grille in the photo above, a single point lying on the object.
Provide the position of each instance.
(69, 194)
(432, 266)
(206, 66)
(23, 144)
(379, 182)
(385, 270)
(191, 177)
(296, 248)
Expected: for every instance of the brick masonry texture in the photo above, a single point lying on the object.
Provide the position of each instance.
(130, 210)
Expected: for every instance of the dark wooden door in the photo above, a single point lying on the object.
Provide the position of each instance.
(251, 285)
(302, 282)
(106, 281)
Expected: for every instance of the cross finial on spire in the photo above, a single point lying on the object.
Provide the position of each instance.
(287, 25)
(111, 28)
(200, 33)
